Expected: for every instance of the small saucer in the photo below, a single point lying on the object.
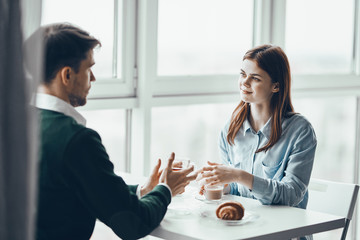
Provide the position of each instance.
(203, 199)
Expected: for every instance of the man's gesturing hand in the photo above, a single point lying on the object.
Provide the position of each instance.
(177, 181)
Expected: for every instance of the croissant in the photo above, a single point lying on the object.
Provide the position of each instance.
(230, 211)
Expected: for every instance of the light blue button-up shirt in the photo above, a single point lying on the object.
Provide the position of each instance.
(282, 174)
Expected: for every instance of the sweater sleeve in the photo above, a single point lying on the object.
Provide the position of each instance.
(133, 188)
(90, 174)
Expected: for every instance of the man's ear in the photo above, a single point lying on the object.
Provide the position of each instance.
(65, 74)
(276, 87)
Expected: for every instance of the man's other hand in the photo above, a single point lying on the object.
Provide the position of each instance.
(153, 180)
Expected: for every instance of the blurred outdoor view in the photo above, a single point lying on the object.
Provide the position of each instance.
(203, 37)
(95, 17)
(319, 36)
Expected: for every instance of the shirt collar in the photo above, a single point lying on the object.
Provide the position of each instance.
(49, 102)
(247, 126)
(265, 130)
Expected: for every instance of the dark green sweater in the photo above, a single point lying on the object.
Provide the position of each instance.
(77, 185)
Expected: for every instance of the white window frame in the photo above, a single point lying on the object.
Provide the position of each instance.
(126, 85)
(183, 85)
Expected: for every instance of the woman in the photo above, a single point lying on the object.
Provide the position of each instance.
(267, 149)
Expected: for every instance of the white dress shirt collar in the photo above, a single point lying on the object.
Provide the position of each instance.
(49, 102)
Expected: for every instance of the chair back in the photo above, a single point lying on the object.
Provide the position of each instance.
(333, 198)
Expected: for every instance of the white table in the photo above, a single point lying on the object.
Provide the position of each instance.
(273, 222)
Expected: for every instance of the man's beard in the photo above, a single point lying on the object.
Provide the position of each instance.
(77, 101)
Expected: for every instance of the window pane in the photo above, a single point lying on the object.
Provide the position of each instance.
(203, 36)
(93, 16)
(194, 131)
(110, 124)
(334, 126)
(319, 35)
(189, 131)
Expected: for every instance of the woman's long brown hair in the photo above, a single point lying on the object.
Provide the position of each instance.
(274, 61)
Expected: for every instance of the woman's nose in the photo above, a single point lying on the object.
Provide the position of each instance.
(245, 81)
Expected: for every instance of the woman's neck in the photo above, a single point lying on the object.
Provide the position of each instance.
(259, 115)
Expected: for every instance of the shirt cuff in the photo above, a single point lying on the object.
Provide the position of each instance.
(167, 186)
(138, 193)
(234, 189)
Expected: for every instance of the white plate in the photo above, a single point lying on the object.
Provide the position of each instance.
(248, 217)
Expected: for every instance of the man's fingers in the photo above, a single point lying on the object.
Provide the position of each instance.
(188, 170)
(191, 177)
(171, 160)
(177, 164)
(198, 171)
(157, 167)
(160, 172)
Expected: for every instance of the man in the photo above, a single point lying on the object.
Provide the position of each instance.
(77, 184)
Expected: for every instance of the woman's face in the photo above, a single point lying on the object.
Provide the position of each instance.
(255, 84)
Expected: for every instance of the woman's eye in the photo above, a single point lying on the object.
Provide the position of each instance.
(256, 79)
(242, 74)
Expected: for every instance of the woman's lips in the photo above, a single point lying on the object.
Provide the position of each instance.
(245, 92)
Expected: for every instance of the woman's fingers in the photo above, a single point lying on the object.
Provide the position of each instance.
(208, 168)
(215, 182)
(212, 163)
(209, 180)
(207, 174)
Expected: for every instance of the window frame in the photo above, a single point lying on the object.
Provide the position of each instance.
(114, 87)
(124, 86)
(184, 85)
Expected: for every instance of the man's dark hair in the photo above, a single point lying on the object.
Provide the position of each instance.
(64, 45)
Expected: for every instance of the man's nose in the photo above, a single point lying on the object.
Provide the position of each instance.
(92, 76)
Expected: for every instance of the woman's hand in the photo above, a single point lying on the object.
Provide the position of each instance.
(152, 181)
(217, 174)
(220, 174)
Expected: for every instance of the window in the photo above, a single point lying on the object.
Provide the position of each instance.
(192, 131)
(85, 14)
(333, 119)
(319, 36)
(113, 23)
(203, 37)
(334, 126)
(110, 124)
